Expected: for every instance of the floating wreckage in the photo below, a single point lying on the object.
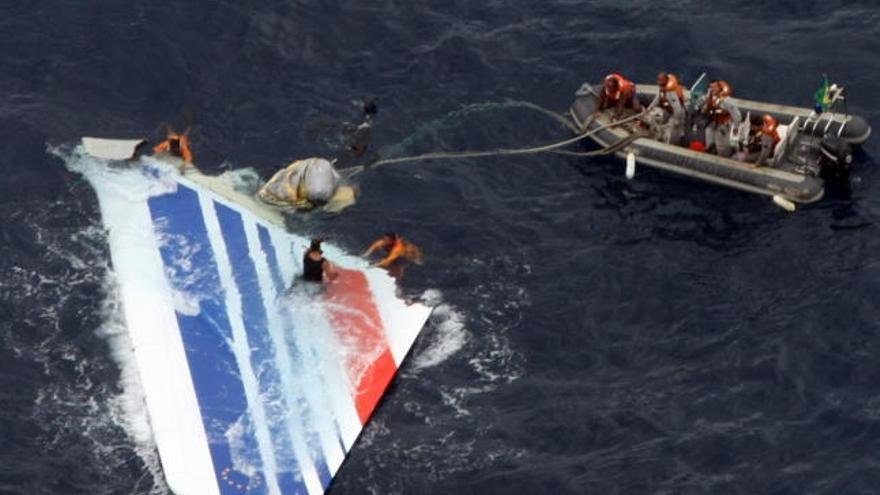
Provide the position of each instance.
(252, 383)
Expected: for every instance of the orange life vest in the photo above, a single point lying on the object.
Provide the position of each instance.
(401, 246)
(396, 249)
(672, 85)
(713, 104)
(769, 129)
(391, 246)
(624, 87)
(718, 114)
(183, 145)
(772, 133)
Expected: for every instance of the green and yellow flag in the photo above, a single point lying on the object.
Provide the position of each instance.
(823, 95)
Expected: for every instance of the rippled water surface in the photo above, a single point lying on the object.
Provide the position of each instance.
(593, 334)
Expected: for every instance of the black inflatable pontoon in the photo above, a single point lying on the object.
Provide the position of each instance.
(812, 146)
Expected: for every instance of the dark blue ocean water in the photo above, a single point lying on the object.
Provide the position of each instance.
(596, 335)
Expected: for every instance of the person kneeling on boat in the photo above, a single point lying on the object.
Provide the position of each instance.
(175, 145)
(723, 116)
(395, 248)
(763, 142)
(670, 99)
(619, 93)
(315, 267)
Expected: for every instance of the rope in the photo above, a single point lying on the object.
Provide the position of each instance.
(611, 148)
(464, 111)
(562, 119)
(349, 172)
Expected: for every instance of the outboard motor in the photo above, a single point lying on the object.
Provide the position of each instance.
(836, 157)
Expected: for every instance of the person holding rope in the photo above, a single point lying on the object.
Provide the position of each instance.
(620, 93)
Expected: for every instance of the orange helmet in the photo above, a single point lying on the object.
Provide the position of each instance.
(770, 123)
(722, 88)
(611, 82)
(662, 80)
(671, 82)
(616, 86)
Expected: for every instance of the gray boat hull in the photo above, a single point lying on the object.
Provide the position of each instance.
(794, 177)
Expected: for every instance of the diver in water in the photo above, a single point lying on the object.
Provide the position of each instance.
(175, 144)
(395, 248)
(316, 268)
(357, 138)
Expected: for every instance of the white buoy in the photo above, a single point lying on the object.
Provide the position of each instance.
(784, 203)
(630, 165)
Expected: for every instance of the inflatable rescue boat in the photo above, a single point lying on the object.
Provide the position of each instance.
(813, 146)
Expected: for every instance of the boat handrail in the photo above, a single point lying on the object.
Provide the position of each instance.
(744, 131)
(782, 148)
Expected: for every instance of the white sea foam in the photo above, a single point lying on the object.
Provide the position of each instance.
(446, 333)
(490, 356)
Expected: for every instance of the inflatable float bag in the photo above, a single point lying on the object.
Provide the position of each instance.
(311, 181)
(318, 180)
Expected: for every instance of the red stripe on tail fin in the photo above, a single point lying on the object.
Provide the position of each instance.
(358, 325)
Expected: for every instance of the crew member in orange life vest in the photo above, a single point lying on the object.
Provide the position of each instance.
(670, 97)
(619, 93)
(175, 144)
(762, 144)
(395, 247)
(723, 115)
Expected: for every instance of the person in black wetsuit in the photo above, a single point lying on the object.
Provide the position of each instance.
(357, 137)
(315, 266)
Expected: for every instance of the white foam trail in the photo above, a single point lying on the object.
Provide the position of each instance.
(446, 337)
(490, 356)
